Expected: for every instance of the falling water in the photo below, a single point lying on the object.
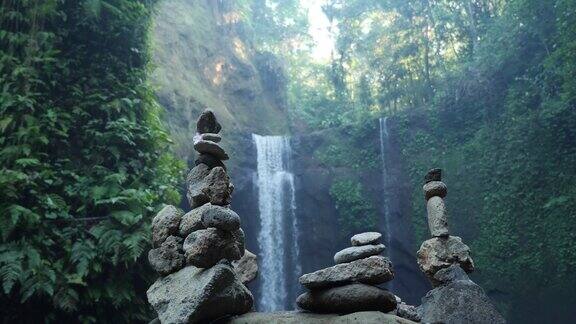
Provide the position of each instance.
(384, 142)
(278, 236)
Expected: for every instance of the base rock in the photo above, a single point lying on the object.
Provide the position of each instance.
(296, 317)
(194, 295)
(348, 299)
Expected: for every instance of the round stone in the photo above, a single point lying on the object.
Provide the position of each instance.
(365, 238)
(358, 252)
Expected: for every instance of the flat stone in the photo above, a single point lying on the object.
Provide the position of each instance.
(210, 160)
(211, 137)
(358, 252)
(209, 147)
(204, 248)
(372, 270)
(433, 175)
(435, 188)
(365, 238)
(437, 217)
(347, 299)
(165, 223)
(169, 257)
(194, 295)
(192, 221)
(247, 267)
(438, 253)
(298, 317)
(458, 300)
(220, 217)
(207, 123)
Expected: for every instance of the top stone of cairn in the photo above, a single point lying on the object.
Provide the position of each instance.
(207, 123)
(365, 238)
(433, 175)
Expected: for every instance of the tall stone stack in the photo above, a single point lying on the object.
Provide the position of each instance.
(446, 260)
(193, 252)
(349, 286)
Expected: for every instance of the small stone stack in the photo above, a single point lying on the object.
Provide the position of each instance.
(442, 250)
(194, 251)
(348, 286)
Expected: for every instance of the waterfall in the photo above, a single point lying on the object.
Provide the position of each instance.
(278, 236)
(389, 230)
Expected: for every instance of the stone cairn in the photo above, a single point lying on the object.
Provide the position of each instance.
(349, 286)
(194, 252)
(442, 250)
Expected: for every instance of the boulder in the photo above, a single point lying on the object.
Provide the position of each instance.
(408, 312)
(204, 248)
(247, 267)
(358, 252)
(437, 217)
(372, 270)
(209, 185)
(365, 238)
(297, 317)
(347, 299)
(169, 257)
(165, 223)
(435, 189)
(196, 185)
(192, 221)
(441, 252)
(458, 300)
(209, 147)
(210, 160)
(433, 175)
(220, 217)
(207, 123)
(194, 295)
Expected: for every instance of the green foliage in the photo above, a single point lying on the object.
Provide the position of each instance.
(355, 211)
(84, 162)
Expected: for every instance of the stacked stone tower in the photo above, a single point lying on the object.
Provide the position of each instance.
(193, 252)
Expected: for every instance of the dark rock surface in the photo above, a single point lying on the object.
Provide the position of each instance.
(357, 252)
(212, 148)
(191, 221)
(210, 160)
(169, 257)
(310, 318)
(372, 270)
(408, 312)
(207, 123)
(204, 248)
(458, 300)
(165, 223)
(194, 295)
(365, 238)
(433, 175)
(219, 217)
(348, 299)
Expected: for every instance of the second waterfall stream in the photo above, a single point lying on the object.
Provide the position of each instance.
(278, 234)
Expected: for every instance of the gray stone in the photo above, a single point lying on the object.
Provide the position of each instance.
(437, 217)
(210, 160)
(196, 185)
(211, 137)
(365, 238)
(247, 267)
(169, 257)
(220, 217)
(192, 221)
(207, 123)
(357, 252)
(457, 301)
(209, 147)
(408, 312)
(433, 175)
(347, 299)
(204, 248)
(438, 253)
(372, 270)
(165, 223)
(297, 317)
(194, 295)
(209, 185)
(435, 188)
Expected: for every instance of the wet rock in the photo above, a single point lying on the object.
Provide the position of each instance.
(347, 299)
(435, 189)
(209, 147)
(207, 123)
(210, 160)
(365, 238)
(204, 248)
(296, 317)
(247, 267)
(191, 221)
(438, 253)
(408, 312)
(196, 185)
(165, 223)
(433, 175)
(437, 217)
(372, 270)
(194, 295)
(219, 217)
(169, 257)
(458, 300)
(358, 252)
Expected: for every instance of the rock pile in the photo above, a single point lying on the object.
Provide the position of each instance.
(446, 260)
(193, 252)
(348, 286)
